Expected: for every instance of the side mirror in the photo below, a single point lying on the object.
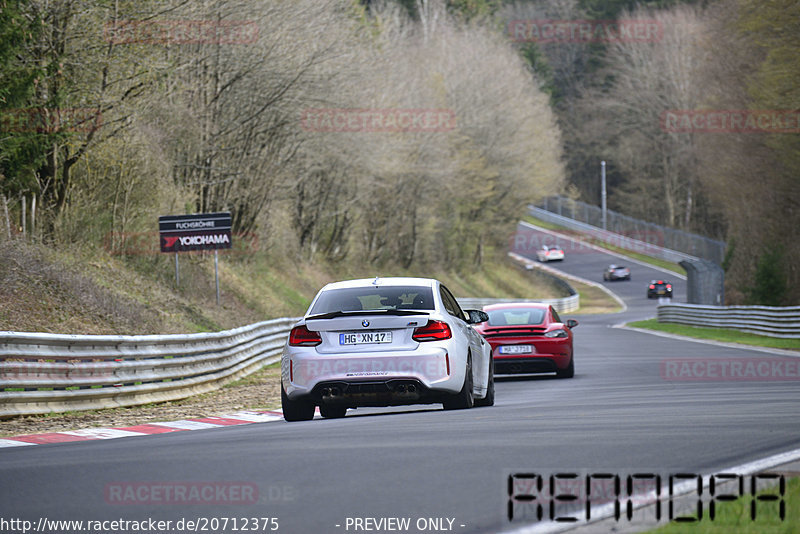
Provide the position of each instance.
(571, 323)
(477, 316)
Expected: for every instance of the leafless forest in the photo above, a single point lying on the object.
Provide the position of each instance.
(262, 108)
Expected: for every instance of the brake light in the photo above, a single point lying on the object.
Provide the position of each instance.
(300, 336)
(652, 286)
(433, 331)
(669, 286)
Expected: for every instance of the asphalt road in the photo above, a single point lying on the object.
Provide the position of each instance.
(619, 414)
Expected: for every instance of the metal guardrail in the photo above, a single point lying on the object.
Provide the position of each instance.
(562, 305)
(663, 236)
(49, 373)
(45, 373)
(612, 238)
(763, 320)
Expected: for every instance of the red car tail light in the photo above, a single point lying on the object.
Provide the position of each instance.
(669, 286)
(301, 336)
(433, 331)
(652, 286)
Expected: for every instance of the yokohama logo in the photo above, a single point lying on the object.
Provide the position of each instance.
(198, 240)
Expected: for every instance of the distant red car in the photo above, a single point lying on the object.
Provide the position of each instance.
(529, 338)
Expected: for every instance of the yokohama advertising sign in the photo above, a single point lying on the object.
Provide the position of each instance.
(184, 233)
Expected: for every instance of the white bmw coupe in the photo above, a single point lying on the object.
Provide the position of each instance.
(385, 342)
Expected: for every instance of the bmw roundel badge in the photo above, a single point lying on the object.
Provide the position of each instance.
(365, 323)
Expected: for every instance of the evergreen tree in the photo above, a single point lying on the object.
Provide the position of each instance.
(21, 142)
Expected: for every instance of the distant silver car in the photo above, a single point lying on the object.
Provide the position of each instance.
(616, 272)
(550, 253)
(384, 342)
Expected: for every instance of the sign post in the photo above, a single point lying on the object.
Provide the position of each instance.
(188, 233)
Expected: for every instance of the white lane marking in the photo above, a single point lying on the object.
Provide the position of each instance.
(13, 443)
(255, 417)
(605, 250)
(606, 511)
(103, 433)
(187, 425)
(768, 350)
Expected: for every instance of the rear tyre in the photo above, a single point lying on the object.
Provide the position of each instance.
(465, 398)
(332, 412)
(299, 410)
(569, 372)
(488, 400)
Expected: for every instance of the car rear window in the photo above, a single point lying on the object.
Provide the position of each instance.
(515, 316)
(374, 298)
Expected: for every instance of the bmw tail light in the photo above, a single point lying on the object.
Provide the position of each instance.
(301, 336)
(433, 331)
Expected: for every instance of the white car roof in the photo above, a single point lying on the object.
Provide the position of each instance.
(388, 281)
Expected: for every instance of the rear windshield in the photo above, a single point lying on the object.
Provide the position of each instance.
(374, 298)
(516, 316)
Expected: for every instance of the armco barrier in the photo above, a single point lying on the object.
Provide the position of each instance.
(50, 373)
(563, 305)
(763, 320)
(44, 373)
(611, 238)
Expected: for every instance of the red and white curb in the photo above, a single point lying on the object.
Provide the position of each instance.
(91, 434)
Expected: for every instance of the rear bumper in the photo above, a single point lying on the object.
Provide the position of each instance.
(530, 363)
(392, 392)
(371, 379)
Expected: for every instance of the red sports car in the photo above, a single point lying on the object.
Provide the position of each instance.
(529, 338)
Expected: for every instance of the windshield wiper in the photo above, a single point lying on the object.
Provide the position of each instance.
(389, 311)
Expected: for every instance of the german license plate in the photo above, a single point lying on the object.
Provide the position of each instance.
(516, 349)
(365, 338)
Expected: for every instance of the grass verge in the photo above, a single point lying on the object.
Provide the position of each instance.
(735, 516)
(719, 334)
(595, 300)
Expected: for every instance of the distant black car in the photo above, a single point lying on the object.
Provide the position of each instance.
(616, 272)
(659, 288)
